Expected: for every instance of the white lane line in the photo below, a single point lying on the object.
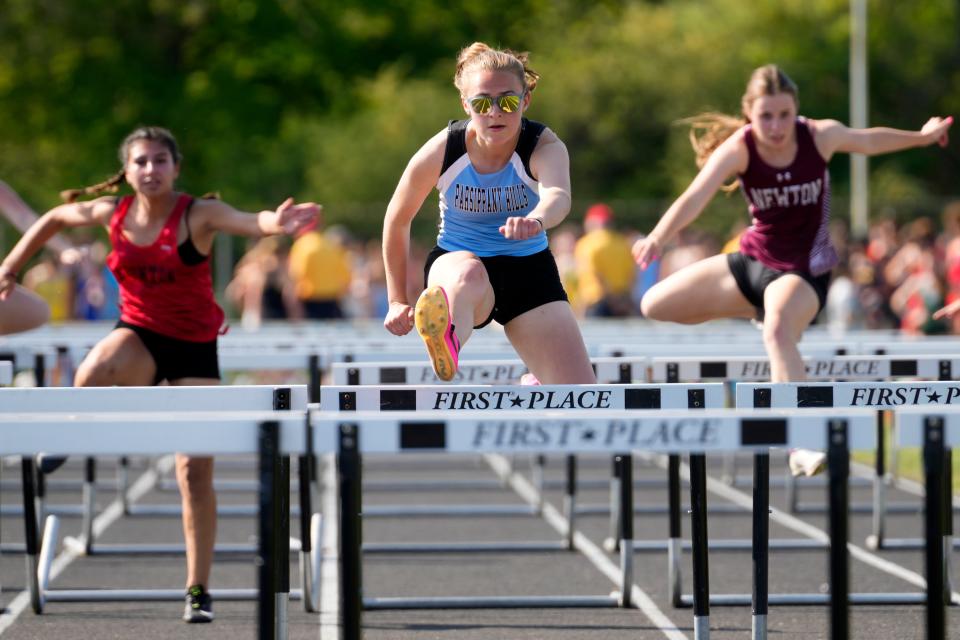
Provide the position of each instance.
(110, 515)
(583, 544)
(738, 497)
(330, 560)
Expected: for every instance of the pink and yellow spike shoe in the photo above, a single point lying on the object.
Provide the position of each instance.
(435, 326)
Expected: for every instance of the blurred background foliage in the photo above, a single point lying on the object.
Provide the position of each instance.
(328, 99)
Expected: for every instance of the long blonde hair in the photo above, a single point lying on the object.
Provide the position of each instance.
(481, 56)
(710, 129)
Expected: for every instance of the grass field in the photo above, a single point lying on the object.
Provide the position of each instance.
(909, 462)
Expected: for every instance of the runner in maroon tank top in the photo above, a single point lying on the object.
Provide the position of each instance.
(169, 319)
(783, 267)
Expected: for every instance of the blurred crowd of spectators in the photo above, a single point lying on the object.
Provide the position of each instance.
(894, 278)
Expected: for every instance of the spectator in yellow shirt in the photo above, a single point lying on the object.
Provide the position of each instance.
(321, 270)
(605, 266)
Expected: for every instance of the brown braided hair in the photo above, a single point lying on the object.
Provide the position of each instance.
(112, 185)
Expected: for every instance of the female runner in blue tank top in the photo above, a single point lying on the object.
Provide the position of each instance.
(503, 181)
(783, 267)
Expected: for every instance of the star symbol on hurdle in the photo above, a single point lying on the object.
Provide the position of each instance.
(484, 374)
(516, 401)
(933, 396)
(588, 434)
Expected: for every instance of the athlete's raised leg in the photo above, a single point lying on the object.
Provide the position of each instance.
(457, 298)
(549, 342)
(790, 304)
(704, 290)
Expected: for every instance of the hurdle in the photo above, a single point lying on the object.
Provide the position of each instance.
(269, 434)
(494, 399)
(937, 592)
(838, 501)
(880, 396)
(203, 402)
(850, 368)
(6, 373)
(609, 370)
(570, 433)
(129, 399)
(938, 432)
(39, 360)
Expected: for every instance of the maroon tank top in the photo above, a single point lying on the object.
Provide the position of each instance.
(790, 207)
(157, 290)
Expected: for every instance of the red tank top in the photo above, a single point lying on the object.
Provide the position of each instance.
(790, 208)
(157, 290)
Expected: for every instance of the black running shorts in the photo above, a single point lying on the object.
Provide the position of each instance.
(176, 359)
(753, 278)
(520, 283)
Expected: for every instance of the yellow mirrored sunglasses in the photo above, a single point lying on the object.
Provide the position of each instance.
(508, 103)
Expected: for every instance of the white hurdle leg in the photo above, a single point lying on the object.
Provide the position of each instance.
(539, 465)
(48, 550)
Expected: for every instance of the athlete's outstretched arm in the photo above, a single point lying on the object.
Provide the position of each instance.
(832, 137)
(418, 179)
(209, 216)
(77, 214)
(550, 164)
(729, 159)
(22, 217)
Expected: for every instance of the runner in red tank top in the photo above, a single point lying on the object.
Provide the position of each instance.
(783, 267)
(169, 319)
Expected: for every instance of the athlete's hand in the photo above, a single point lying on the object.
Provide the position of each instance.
(935, 130)
(399, 319)
(517, 228)
(296, 218)
(948, 311)
(8, 280)
(645, 250)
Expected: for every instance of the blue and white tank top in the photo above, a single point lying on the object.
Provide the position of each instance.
(473, 205)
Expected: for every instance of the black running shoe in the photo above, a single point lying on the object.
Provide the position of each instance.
(199, 606)
(48, 464)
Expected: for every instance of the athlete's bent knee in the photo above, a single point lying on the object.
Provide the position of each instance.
(776, 332)
(652, 307)
(95, 374)
(471, 274)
